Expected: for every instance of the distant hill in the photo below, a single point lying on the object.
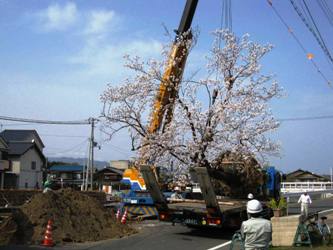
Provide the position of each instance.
(80, 161)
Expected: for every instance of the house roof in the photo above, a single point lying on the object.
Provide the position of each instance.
(299, 173)
(111, 169)
(20, 148)
(18, 135)
(66, 168)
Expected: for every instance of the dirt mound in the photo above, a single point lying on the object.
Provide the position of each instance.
(76, 218)
(8, 227)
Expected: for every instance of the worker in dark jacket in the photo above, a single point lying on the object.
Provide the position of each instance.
(256, 231)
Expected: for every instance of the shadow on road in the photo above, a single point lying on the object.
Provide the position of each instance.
(214, 233)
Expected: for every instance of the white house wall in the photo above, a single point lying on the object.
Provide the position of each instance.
(27, 176)
(15, 166)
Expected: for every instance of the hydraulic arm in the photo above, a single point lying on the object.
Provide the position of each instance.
(165, 98)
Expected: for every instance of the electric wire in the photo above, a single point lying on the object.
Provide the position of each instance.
(315, 65)
(19, 124)
(326, 50)
(70, 136)
(306, 118)
(77, 146)
(81, 122)
(329, 11)
(312, 27)
(326, 12)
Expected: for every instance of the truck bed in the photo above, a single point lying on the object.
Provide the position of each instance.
(226, 205)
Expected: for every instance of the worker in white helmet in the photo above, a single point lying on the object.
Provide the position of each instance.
(249, 197)
(177, 194)
(256, 231)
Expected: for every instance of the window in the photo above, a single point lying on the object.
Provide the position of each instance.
(33, 165)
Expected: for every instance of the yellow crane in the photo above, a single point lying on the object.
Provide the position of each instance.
(165, 98)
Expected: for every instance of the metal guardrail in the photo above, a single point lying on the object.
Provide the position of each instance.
(292, 187)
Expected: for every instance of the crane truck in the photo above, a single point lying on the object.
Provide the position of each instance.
(212, 210)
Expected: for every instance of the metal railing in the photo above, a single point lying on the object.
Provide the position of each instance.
(295, 187)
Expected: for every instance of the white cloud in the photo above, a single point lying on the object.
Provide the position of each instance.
(107, 60)
(57, 17)
(99, 21)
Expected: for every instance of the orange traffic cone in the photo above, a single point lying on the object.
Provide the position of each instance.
(124, 218)
(48, 242)
(118, 214)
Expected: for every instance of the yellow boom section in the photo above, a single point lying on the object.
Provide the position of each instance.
(165, 98)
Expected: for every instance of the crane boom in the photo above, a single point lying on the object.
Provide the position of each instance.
(165, 98)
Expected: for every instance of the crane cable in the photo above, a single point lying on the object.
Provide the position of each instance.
(309, 55)
(226, 15)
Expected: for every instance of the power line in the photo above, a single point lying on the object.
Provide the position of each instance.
(326, 10)
(298, 41)
(306, 118)
(18, 124)
(81, 122)
(79, 145)
(72, 136)
(312, 27)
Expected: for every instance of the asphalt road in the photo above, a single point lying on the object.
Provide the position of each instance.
(316, 206)
(157, 235)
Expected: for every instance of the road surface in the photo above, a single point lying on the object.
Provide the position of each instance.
(157, 235)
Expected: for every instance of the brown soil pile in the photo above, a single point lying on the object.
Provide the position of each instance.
(8, 227)
(76, 218)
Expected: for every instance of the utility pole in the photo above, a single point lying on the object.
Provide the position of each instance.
(92, 146)
(88, 174)
(331, 176)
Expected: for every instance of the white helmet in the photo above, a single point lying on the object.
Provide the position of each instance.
(250, 196)
(177, 189)
(254, 207)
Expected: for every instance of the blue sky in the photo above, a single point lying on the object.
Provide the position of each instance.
(57, 57)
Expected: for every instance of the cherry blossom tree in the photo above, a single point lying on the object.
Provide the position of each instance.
(223, 110)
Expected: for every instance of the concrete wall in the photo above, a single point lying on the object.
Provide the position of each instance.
(284, 230)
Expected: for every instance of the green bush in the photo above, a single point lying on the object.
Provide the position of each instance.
(278, 204)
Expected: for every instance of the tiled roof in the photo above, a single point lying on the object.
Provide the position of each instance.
(17, 135)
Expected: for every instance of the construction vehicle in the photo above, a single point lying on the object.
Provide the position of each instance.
(138, 199)
(207, 212)
(216, 211)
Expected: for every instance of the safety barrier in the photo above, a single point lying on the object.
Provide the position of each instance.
(136, 210)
